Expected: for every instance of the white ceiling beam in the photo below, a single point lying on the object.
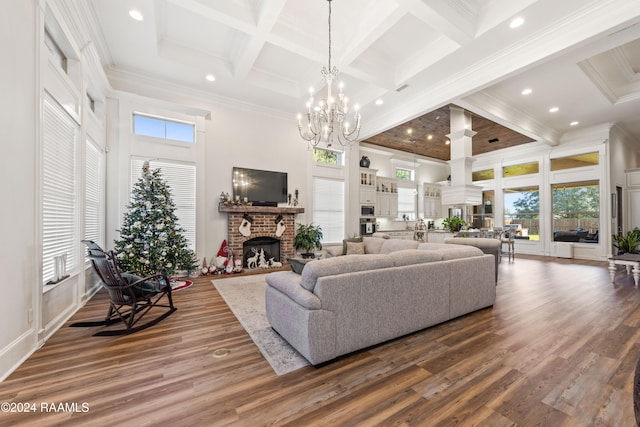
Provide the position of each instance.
(377, 22)
(247, 58)
(497, 110)
(440, 15)
(216, 15)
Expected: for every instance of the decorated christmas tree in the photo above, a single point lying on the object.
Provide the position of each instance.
(151, 240)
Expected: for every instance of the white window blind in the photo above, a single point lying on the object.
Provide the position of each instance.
(406, 201)
(328, 208)
(59, 188)
(94, 217)
(181, 179)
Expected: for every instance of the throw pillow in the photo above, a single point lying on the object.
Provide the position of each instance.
(143, 289)
(351, 239)
(355, 248)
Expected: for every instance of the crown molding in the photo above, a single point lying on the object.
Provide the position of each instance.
(136, 83)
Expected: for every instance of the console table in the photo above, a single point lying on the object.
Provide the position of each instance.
(630, 261)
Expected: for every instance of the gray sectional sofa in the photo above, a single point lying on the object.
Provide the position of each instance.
(342, 304)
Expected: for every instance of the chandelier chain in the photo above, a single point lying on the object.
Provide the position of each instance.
(329, 35)
(328, 120)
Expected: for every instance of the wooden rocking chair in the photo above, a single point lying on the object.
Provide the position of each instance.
(130, 297)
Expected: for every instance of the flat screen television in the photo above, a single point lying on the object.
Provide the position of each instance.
(260, 187)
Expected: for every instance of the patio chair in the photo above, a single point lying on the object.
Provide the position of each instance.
(131, 297)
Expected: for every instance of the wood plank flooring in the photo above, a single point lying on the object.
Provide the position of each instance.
(558, 349)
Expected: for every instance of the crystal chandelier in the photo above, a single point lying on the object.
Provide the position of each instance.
(327, 121)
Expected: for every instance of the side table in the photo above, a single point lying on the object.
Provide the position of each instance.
(630, 261)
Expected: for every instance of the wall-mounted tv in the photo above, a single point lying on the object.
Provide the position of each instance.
(260, 187)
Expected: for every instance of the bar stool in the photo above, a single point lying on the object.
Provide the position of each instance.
(507, 239)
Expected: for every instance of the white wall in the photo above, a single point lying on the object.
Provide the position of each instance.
(18, 113)
(227, 137)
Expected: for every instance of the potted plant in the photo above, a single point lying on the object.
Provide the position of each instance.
(454, 224)
(627, 243)
(307, 238)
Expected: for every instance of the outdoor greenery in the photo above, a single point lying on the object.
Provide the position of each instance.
(326, 156)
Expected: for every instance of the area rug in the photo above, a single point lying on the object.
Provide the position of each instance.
(245, 297)
(178, 284)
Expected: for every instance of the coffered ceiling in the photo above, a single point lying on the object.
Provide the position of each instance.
(415, 56)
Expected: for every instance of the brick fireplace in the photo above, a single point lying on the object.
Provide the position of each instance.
(263, 225)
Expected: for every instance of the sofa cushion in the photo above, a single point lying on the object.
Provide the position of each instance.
(339, 265)
(372, 244)
(355, 248)
(394, 245)
(350, 239)
(414, 256)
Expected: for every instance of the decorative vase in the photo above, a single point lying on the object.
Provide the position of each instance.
(365, 162)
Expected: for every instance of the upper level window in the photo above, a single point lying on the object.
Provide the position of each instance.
(523, 169)
(577, 161)
(328, 157)
(158, 127)
(405, 174)
(58, 54)
(482, 175)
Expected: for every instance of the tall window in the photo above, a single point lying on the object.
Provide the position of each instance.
(522, 211)
(328, 208)
(158, 127)
(576, 211)
(407, 196)
(94, 220)
(181, 178)
(407, 193)
(482, 216)
(59, 189)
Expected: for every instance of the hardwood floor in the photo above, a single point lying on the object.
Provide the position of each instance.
(558, 349)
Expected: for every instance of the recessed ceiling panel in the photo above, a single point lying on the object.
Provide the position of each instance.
(305, 24)
(405, 39)
(184, 27)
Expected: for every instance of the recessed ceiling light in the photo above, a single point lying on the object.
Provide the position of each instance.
(429, 137)
(553, 109)
(409, 131)
(527, 91)
(516, 22)
(447, 142)
(136, 14)
(574, 123)
(211, 77)
(379, 102)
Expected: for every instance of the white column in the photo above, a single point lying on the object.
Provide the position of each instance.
(461, 191)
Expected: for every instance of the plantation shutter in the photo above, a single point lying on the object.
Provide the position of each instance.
(181, 179)
(59, 188)
(406, 201)
(94, 216)
(328, 208)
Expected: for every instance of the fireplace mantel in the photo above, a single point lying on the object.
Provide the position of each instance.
(261, 209)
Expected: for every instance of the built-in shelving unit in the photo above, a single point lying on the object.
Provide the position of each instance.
(432, 200)
(387, 197)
